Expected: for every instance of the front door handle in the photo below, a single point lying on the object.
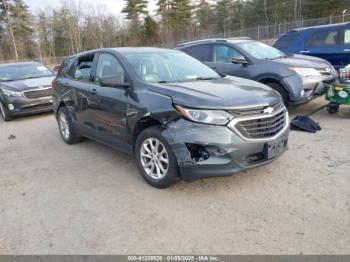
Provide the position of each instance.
(305, 51)
(346, 50)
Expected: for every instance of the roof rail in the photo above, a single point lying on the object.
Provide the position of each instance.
(214, 40)
(204, 40)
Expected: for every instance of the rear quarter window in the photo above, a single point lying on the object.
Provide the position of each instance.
(286, 41)
(201, 53)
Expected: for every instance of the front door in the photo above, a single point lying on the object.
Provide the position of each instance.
(110, 103)
(222, 56)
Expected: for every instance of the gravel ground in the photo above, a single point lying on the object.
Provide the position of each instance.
(90, 199)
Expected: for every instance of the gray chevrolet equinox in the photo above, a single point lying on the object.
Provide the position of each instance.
(297, 78)
(178, 117)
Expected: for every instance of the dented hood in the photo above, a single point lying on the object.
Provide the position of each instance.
(223, 93)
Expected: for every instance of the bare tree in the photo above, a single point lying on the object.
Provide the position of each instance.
(10, 29)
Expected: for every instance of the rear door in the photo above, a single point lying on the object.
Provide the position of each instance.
(326, 44)
(80, 82)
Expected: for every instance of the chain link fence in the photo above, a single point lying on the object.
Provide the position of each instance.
(267, 34)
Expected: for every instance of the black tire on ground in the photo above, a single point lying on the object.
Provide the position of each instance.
(280, 89)
(65, 127)
(332, 108)
(4, 112)
(172, 174)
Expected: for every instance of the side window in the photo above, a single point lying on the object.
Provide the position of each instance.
(327, 38)
(201, 53)
(82, 68)
(347, 36)
(108, 66)
(224, 54)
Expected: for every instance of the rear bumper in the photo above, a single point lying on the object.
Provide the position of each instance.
(228, 152)
(22, 106)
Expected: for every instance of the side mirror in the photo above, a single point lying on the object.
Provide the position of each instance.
(113, 81)
(239, 60)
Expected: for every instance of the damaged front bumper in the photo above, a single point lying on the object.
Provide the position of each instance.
(210, 151)
(304, 89)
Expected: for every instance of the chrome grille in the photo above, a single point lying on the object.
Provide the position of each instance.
(261, 127)
(253, 111)
(38, 93)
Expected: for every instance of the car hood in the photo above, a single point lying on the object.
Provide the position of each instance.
(224, 93)
(303, 61)
(28, 84)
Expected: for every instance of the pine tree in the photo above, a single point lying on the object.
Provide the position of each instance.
(181, 14)
(163, 10)
(22, 25)
(150, 31)
(134, 9)
(204, 15)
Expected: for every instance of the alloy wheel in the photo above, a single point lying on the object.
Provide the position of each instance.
(154, 158)
(64, 126)
(2, 111)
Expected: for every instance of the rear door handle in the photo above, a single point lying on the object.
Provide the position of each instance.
(346, 50)
(305, 51)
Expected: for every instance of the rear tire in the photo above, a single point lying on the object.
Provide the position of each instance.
(155, 158)
(4, 112)
(65, 126)
(332, 108)
(280, 89)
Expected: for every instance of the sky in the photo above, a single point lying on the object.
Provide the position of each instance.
(112, 6)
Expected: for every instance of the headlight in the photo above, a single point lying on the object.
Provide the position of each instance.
(11, 93)
(305, 71)
(211, 117)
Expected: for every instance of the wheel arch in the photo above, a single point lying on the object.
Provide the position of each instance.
(142, 124)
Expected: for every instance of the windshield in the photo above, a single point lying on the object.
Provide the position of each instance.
(169, 67)
(261, 51)
(23, 71)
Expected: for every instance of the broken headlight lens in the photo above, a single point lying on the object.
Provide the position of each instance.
(211, 117)
(305, 71)
(11, 93)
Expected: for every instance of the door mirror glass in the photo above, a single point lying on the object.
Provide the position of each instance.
(113, 81)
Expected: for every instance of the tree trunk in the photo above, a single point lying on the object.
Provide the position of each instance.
(11, 31)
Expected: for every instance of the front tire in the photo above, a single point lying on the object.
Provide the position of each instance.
(332, 108)
(66, 128)
(4, 112)
(156, 160)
